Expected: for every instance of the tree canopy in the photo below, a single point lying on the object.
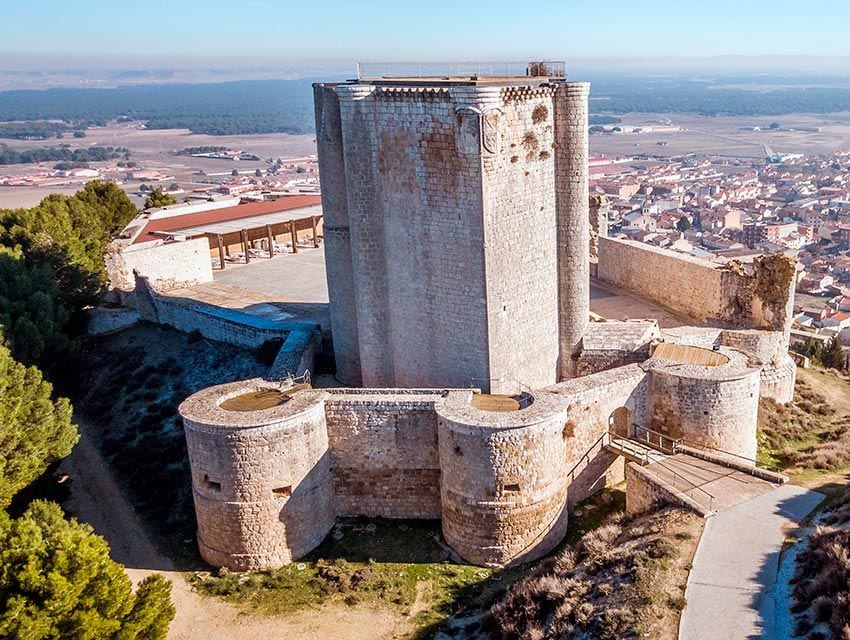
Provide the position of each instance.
(158, 198)
(51, 268)
(35, 429)
(58, 582)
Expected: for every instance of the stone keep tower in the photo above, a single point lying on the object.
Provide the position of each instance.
(456, 226)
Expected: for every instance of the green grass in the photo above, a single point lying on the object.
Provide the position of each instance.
(363, 560)
(390, 562)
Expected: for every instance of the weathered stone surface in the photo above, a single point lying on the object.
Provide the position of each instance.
(455, 211)
(730, 295)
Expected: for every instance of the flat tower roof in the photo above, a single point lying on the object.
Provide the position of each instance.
(459, 73)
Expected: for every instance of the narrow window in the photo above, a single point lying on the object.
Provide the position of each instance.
(282, 492)
(510, 488)
(211, 484)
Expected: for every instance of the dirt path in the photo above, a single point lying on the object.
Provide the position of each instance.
(97, 499)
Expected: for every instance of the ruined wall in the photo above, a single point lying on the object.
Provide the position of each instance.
(165, 266)
(598, 223)
(384, 449)
(504, 493)
(262, 486)
(710, 406)
(703, 290)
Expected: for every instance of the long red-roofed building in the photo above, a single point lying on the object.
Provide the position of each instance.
(229, 219)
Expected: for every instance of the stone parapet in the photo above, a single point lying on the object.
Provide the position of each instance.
(714, 406)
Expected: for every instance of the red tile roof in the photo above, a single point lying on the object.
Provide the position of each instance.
(175, 223)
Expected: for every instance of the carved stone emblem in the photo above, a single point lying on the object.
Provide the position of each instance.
(490, 131)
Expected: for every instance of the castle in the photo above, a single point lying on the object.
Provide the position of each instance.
(460, 245)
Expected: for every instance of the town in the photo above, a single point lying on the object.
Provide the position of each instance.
(723, 210)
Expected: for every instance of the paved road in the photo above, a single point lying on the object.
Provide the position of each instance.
(730, 588)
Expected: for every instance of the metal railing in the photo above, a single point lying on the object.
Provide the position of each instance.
(474, 69)
(628, 446)
(655, 439)
(602, 441)
(666, 444)
(755, 463)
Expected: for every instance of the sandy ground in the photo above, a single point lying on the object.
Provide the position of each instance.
(723, 135)
(97, 499)
(155, 149)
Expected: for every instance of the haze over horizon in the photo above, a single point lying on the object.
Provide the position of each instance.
(299, 39)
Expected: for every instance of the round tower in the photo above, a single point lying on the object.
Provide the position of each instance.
(572, 202)
(503, 487)
(705, 397)
(261, 476)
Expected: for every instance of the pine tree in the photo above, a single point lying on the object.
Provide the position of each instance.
(833, 355)
(57, 582)
(35, 429)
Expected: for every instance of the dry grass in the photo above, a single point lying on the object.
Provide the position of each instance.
(813, 431)
(625, 579)
(822, 578)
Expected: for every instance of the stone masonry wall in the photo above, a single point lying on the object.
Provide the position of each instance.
(504, 493)
(215, 323)
(337, 235)
(263, 494)
(646, 491)
(592, 402)
(713, 410)
(164, 265)
(727, 295)
(466, 215)
(520, 235)
(384, 451)
(573, 219)
(414, 200)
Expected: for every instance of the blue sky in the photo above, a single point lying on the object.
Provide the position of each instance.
(336, 30)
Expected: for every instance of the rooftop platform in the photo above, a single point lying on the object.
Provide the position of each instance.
(498, 73)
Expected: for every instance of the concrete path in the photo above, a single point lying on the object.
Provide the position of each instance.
(730, 588)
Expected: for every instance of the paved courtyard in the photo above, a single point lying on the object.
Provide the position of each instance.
(615, 304)
(301, 278)
(294, 277)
